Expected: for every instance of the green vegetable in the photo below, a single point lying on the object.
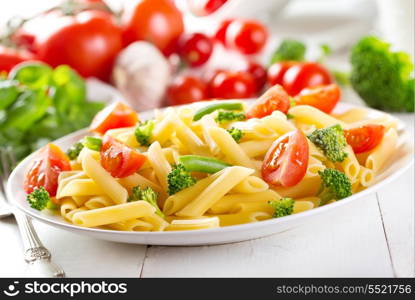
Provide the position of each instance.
(74, 150)
(283, 207)
(290, 116)
(196, 163)
(35, 75)
(144, 131)
(289, 50)
(342, 78)
(39, 104)
(92, 143)
(229, 116)
(335, 185)
(236, 134)
(147, 194)
(381, 77)
(8, 93)
(179, 179)
(216, 106)
(38, 199)
(331, 141)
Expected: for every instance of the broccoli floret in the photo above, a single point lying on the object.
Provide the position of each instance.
(179, 179)
(144, 131)
(282, 207)
(382, 77)
(331, 141)
(39, 198)
(289, 50)
(148, 195)
(74, 150)
(236, 134)
(335, 185)
(229, 116)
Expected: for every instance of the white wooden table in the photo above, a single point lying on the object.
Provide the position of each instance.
(371, 237)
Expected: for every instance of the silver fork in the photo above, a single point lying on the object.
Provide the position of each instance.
(36, 255)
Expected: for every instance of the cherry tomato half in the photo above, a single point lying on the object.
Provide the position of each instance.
(205, 7)
(323, 97)
(232, 85)
(195, 49)
(118, 159)
(116, 115)
(156, 21)
(364, 138)
(186, 89)
(275, 98)
(304, 75)
(258, 72)
(286, 161)
(246, 36)
(45, 169)
(277, 70)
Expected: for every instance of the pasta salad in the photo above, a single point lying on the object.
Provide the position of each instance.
(210, 164)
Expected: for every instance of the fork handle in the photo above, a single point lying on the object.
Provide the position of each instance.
(35, 254)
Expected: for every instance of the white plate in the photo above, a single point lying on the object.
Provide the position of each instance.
(401, 161)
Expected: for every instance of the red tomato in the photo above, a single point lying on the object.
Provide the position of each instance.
(116, 115)
(275, 98)
(323, 97)
(220, 34)
(258, 73)
(246, 36)
(88, 41)
(186, 89)
(364, 138)
(277, 70)
(45, 169)
(156, 21)
(10, 57)
(285, 163)
(195, 49)
(205, 7)
(303, 75)
(118, 159)
(232, 85)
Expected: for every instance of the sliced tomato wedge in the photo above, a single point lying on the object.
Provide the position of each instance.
(364, 138)
(45, 169)
(119, 159)
(286, 161)
(323, 97)
(275, 98)
(116, 115)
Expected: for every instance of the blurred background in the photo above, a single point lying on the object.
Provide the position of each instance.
(154, 53)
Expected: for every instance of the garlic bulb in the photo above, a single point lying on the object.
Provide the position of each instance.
(142, 74)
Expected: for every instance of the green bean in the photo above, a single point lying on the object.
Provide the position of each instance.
(196, 163)
(92, 143)
(211, 108)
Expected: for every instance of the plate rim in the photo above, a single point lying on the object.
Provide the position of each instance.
(226, 229)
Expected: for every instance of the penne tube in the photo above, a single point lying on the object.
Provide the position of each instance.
(104, 180)
(113, 214)
(230, 177)
(227, 202)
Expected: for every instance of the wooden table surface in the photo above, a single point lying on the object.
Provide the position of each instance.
(372, 237)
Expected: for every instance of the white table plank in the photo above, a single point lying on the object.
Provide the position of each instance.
(347, 242)
(79, 256)
(396, 203)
